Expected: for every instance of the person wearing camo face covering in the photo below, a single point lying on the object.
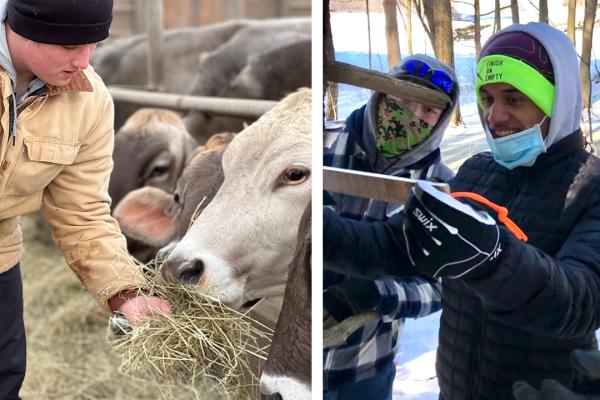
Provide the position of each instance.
(391, 136)
(403, 124)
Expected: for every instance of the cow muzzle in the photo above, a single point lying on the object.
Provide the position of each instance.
(275, 396)
(186, 272)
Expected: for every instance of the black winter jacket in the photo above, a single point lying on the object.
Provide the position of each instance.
(540, 300)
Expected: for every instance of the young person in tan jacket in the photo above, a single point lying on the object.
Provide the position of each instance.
(56, 142)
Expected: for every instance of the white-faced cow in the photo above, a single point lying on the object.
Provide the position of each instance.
(240, 247)
(286, 374)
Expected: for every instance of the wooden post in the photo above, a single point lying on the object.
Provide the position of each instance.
(140, 11)
(155, 45)
(195, 13)
(236, 9)
(281, 8)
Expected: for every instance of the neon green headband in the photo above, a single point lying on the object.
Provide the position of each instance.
(497, 68)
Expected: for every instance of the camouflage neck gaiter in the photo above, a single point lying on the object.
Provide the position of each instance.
(398, 129)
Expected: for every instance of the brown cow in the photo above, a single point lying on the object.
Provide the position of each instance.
(267, 75)
(156, 217)
(123, 61)
(151, 149)
(206, 60)
(154, 156)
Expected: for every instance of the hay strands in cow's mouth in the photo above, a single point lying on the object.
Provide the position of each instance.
(202, 342)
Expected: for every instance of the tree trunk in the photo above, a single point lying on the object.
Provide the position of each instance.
(497, 24)
(571, 21)
(477, 28)
(329, 58)
(369, 33)
(514, 9)
(586, 49)
(328, 50)
(409, 26)
(391, 33)
(441, 23)
(543, 11)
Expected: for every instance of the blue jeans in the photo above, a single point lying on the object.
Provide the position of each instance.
(378, 387)
(12, 334)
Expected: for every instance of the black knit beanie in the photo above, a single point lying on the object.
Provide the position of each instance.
(63, 22)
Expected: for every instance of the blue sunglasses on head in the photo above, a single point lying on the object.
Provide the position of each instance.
(421, 70)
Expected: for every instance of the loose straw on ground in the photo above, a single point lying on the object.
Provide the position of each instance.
(202, 342)
(68, 357)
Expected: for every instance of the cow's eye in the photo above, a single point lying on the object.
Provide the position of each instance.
(159, 170)
(295, 175)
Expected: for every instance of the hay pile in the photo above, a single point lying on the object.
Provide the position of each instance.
(203, 342)
(68, 355)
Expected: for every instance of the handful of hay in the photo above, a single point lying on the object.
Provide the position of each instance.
(202, 343)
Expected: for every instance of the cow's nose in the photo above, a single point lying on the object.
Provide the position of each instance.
(268, 393)
(188, 272)
(275, 396)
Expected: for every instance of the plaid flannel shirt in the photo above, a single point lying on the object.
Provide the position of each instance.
(369, 349)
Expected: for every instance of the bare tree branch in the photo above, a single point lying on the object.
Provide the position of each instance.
(493, 11)
(422, 19)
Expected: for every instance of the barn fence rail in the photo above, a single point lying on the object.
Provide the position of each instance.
(211, 105)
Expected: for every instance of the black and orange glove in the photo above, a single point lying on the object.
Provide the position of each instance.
(446, 237)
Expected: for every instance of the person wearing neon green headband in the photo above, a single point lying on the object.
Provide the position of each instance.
(514, 85)
(513, 309)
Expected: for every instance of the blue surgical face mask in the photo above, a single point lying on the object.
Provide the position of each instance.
(519, 149)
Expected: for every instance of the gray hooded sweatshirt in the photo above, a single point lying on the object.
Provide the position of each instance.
(35, 85)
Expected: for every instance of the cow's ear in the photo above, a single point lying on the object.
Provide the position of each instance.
(144, 215)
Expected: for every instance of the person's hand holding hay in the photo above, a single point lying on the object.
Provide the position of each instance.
(201, 339)
(135, 307)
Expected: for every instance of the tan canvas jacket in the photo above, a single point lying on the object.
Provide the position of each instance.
(62, 159)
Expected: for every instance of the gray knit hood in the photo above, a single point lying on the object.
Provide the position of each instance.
(5, 60)
(430, 144)
(566, 110)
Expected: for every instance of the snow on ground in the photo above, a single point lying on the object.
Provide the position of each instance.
(415, 371)
(419, 381)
